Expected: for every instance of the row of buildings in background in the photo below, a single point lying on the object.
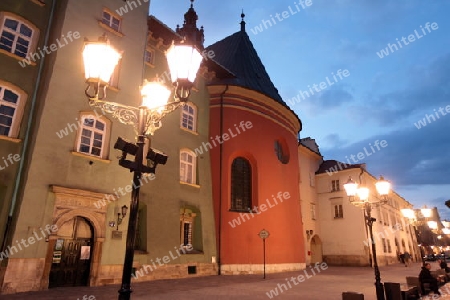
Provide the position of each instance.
(236, 165)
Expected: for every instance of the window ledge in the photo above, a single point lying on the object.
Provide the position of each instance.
(190, 184)
(107, 161)
(188, 130)
(20, 59)
(242, 211)
(113, 88)
(140, 252)
(9, 139)
(149, 64)
(191, 252)
(38, 2)
(106, 27)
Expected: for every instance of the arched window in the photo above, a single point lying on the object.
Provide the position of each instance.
(17, 36)
(93, 135)
(241, 184)
(187, 167)
(12, 101)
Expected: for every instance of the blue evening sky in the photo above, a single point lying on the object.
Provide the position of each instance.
(380, 99)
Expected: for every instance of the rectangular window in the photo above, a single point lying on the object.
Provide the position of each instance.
(312, 179)
(91, 136)
(149, 57)
(338, 212)
(313, 211)
(383, 240)
(187, 167)
(16, 37)
(335, 185)
(111, 21)
(188, 117)
(114, 81)
(389, 245)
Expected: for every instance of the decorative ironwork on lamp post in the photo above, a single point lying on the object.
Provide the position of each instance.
(100, 60)
(359, 196)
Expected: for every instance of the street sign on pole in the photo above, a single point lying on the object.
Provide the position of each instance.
(264, 234)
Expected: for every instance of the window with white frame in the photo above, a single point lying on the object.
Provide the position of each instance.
(16, 35)
(312, 179)
(313, 211)
(111, 20)
(189, 117)
(187, 167)
(186, 227)
(93, 135)
(335, 185)
(11, 109)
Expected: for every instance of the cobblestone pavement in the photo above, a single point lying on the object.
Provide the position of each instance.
(327, 285)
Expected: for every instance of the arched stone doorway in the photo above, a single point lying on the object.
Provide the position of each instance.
(80, 222)
(316, 249)
(71, 262)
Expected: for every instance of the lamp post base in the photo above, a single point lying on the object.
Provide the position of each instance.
(125, 293)
(380, 290)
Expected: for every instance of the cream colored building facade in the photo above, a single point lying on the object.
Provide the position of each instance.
(309, 158)
(344, 233)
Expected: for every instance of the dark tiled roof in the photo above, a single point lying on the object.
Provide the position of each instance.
(237, 54)
(336, 166)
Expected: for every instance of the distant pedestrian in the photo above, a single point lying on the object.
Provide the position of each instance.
(407, 258)
(402, 258)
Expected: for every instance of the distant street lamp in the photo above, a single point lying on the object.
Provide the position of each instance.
(100, 60)
(359, 196)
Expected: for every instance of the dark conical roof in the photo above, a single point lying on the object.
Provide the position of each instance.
(237, 54)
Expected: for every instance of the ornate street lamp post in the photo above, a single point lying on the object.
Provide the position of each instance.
(100, 60)
(419, 219)
(359, 196)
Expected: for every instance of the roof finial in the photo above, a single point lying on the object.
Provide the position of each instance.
(192, 3)
(242, 22)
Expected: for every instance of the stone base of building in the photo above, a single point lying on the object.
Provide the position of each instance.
(347, 260)
(26, 274)
(242, 269)
(357, 261)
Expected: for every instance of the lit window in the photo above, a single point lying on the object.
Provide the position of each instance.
(188, 117)
(335, 185)
(187, 218)
(92, 136)
(16, 36)
(111, 21)
(241, 185)
(11, 109)
(187, 167)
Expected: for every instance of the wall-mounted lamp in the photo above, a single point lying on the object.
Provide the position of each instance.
(121, 215)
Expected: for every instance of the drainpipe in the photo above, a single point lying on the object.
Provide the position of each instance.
(220, 183)
(28, 131)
